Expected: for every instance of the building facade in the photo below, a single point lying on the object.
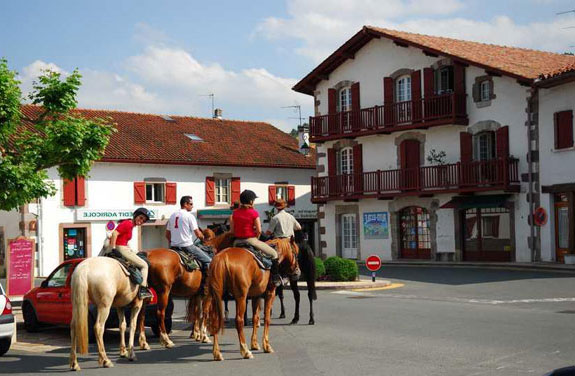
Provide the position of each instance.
(429, 148)
(152, 161)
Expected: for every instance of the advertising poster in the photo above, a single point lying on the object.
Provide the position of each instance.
(376, 225)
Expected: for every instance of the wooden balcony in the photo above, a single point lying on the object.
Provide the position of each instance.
(493, 175)
(424, 113)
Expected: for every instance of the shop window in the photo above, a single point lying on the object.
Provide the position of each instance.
(490, 226)
(74, 243)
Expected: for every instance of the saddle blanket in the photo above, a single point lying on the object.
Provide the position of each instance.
(263, 261)
(186, 259)
(133, 272)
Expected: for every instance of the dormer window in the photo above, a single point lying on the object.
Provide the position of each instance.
(344, 102)
(403, 89)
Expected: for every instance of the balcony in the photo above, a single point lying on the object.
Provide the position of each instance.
(423, 113)
(476, 176)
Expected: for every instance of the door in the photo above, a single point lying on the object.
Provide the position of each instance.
(74, 243)
(51, 297)
(349, 236)
(487, 234)
(153, 237)
(561, 226)
(410, 162)
(414, 233)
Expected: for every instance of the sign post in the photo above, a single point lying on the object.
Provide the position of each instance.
(20, 268)
(373, 263)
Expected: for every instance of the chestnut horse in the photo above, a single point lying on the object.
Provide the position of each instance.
(236, 271)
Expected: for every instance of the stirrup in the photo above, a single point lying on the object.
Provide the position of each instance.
(144, 293)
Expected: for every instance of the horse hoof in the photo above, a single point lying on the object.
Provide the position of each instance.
(248, 355)
(294, 322)
(123, 354)
(268, 349)
(144, 346)
(256, 347)
(282, 316)
(169, 345)
(108, 364)
(311, 322)
(132, 357)
(218, 357)
(75, 367)
(206, 340)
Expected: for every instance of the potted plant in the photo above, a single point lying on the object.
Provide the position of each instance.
(437, 158)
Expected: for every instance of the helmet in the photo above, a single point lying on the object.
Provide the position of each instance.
(247, 196)
(143, 211)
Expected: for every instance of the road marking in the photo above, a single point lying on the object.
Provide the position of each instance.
(516, 301)
(390, 287)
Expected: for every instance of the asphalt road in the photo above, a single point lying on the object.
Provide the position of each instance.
(433, 321)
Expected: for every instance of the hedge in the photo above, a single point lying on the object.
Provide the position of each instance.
(340, 269)
(319, 268)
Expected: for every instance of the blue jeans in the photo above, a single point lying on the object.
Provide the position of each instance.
(200, 255)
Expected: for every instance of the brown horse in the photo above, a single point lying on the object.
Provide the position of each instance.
(236, 271)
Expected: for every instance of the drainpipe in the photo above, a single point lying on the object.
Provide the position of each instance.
(532, 248)
(40, 239)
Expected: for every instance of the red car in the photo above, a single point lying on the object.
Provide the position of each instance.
(51, 303)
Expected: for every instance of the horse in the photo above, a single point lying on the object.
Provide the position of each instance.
(306, 263)
(102, 281)
(235, 270)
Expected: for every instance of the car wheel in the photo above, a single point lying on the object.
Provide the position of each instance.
(5, 345)
(31, 323)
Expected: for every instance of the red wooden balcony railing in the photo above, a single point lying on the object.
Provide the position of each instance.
(495, 174)
(436, 110)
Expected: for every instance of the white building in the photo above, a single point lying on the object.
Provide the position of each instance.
(429, 148)
(154, 160)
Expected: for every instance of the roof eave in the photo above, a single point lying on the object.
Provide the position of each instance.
(200, 163)
(557, 80)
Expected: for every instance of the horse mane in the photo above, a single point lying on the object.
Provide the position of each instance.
(209, 234)
(222, 241)
(284, 246)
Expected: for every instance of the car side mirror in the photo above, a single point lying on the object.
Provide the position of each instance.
(44, 283)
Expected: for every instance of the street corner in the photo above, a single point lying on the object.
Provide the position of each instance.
(351, 285)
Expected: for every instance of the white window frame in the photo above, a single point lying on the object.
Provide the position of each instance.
(282, 192)
(155, 189)
(484, 146)
(349, 235)
(346, 161)
(344, 99)
(222, 190)
(403, 89)
(485, 91)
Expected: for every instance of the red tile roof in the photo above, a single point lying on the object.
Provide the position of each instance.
(148, 138)
(521, 63)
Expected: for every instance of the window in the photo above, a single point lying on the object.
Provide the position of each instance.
(222, 186)
(403, 89)
(349, 236)
(490, 226)
(344, 102)
(485, 91)
(563, 129)
(346, 161)
(58, 279)
(444, 80)
(484, 147)
(155, 192)
(282, 192)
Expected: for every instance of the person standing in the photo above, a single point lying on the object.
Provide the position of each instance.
(182, 228)
(119, 241)
(283, 224)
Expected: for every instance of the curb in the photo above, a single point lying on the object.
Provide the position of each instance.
(549, 267)
(361, 284)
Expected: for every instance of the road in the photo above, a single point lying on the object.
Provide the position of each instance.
(431, 321)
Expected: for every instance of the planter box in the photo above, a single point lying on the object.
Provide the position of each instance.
(569, 259)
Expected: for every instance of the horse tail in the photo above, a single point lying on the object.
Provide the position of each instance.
(307, 265)
(80, 309)
(216, 291)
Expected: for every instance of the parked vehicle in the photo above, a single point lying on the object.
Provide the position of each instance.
(51, 303)
(6, 322)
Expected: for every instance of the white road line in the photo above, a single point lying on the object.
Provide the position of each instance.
(519, 301)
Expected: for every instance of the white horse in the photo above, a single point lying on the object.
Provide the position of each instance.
(102, 281)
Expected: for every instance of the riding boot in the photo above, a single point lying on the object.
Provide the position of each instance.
(205, 268)
(144, 293)
(275, 272)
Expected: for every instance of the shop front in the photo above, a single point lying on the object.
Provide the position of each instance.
(563, 206)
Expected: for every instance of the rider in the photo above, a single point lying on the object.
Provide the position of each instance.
(283, 224)
(246, 227)
(119, 241)
(181, 229)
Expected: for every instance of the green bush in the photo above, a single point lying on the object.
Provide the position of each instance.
(340, 269)
(319, 268)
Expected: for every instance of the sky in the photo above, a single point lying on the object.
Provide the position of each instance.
(166, 56)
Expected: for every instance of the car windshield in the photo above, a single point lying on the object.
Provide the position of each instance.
(2, 290)
(58, 279)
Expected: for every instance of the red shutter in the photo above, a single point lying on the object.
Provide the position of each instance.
(271, 194)
(355, 105)
(291, 195)
(563, 129)
(331, 101)
(403, 155)
(458, 78)
(171, 189)
(210, 191)
(388, 101)
(502, 142)
(331, 162)
(428, 78)
(358, 167)
(139, 192)
(80, 191)
(465, 146)
(416, 95)
(69, 192)
(236, 190)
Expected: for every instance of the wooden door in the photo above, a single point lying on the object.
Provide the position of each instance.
(561, 229)
(415, 233)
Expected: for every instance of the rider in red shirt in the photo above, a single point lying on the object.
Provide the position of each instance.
(246, 226)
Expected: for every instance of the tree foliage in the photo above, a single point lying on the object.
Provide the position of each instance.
(57, 137)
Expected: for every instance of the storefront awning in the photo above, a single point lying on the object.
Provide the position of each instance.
(214, 213)
(490, 201)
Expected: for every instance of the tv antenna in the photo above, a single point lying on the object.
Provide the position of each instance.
(211, 96)
(298, 111)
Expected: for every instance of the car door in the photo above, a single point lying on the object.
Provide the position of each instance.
(48, 299)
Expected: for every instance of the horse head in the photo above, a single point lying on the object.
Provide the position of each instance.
(209, 234)
(288, 250)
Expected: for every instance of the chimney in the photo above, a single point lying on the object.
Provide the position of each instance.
(218, 113)
(303, 139)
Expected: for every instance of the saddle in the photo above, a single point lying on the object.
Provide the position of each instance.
(188, 260)
(132, 271)
(264, 262)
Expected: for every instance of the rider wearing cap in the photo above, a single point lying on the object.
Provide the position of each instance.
(283, 224)
(120, 237)
(246, 226)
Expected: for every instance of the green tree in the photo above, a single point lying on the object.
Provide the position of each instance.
(57, 137)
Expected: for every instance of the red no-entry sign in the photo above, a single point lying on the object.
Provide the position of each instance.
(373, 263)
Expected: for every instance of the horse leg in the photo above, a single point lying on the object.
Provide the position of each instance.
(280, 294)
(99, 328)
(226, 310)
(310, 297)
(74, 366)
(122, 326)
(198, 318)
(205, 307)
(133, 324)
(269, 300)
(163, 299)
(143, 342)
(240, 311)
(216, 349)
(256, 321)
(296, 296)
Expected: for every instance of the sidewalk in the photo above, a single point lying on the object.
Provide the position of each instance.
(539, 266)
(363, 283)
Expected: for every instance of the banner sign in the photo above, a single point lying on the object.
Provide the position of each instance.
(108, 214)
(376, 225)
(20, 276)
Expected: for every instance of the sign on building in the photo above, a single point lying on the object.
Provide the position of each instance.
(91, 215)
(376, 225)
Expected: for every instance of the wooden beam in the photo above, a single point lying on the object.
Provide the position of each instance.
(524, 82)
(323, 76)
(429, 53)
(348, 55)
(493, 73)
(400, 44)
